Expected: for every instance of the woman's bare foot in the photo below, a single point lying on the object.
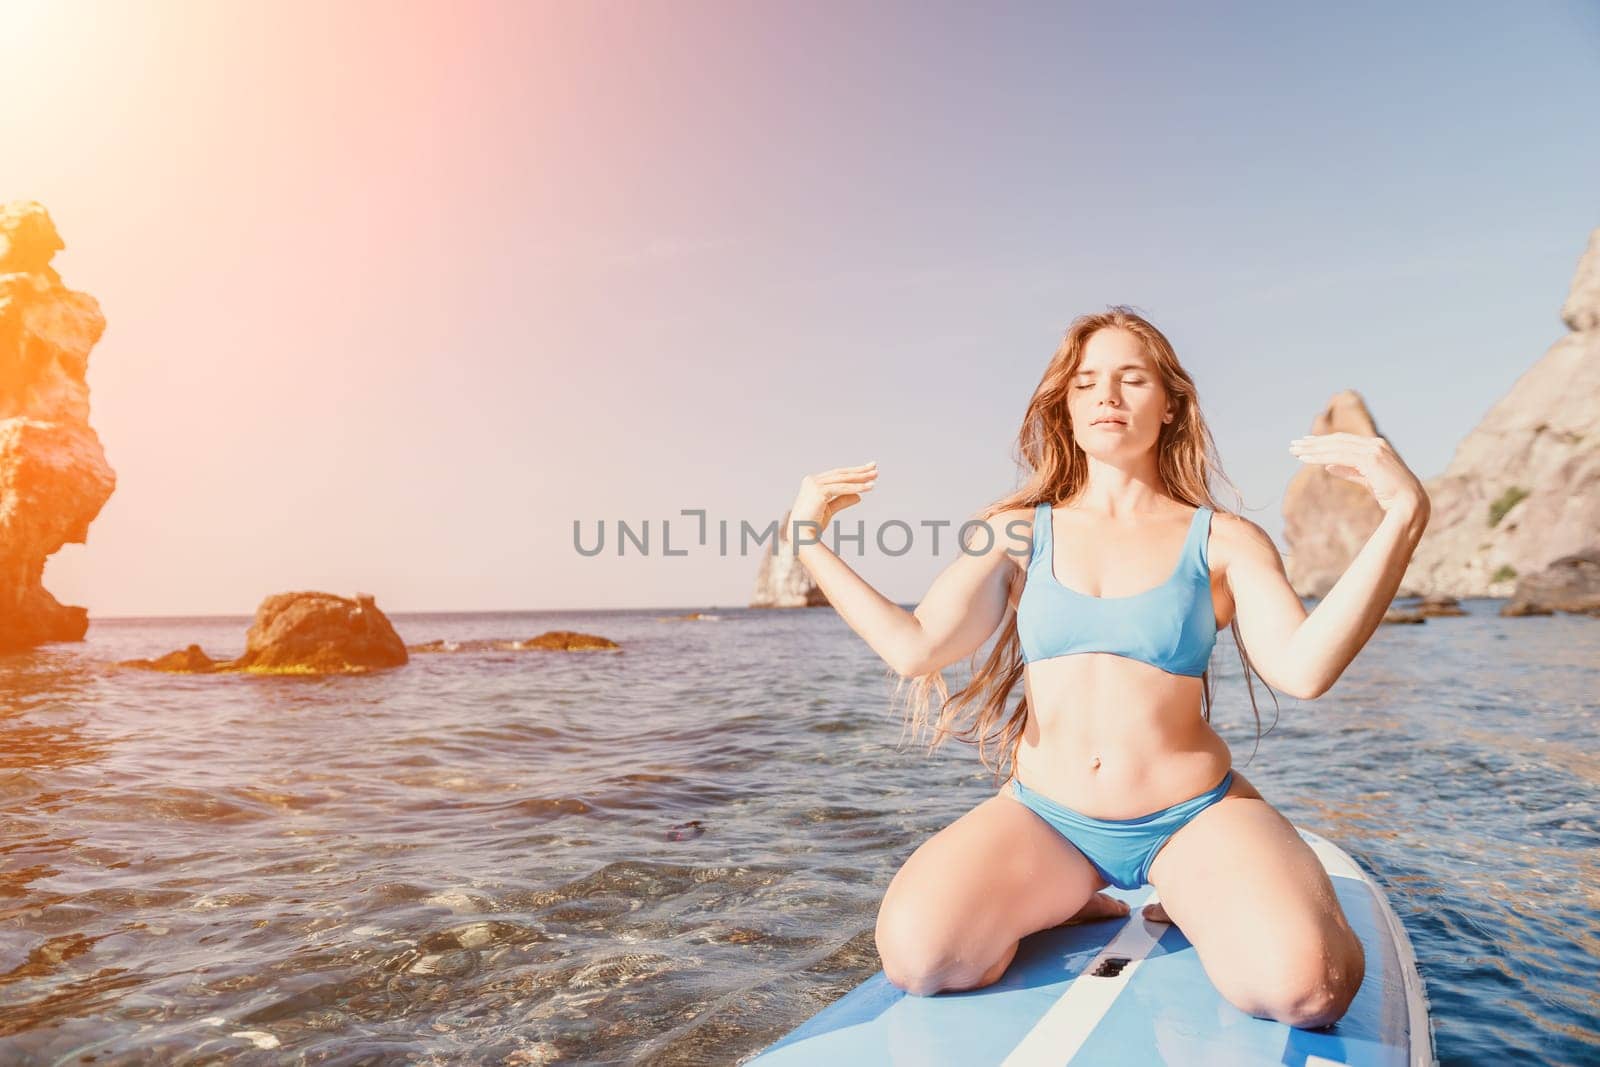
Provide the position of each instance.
(1156, 913)
(1100, 906)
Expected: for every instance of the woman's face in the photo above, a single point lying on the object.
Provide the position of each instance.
(1118, 384)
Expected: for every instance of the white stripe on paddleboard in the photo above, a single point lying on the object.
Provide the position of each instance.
(1062, 1030)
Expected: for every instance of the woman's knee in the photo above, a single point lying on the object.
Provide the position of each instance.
(1309, 983)
(914, 955)
(929, 967)
(925, 949)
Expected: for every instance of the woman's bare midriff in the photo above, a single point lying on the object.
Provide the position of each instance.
(1113, 737)
(1116, 738)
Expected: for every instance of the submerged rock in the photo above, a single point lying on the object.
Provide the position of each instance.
(1401, 615)
(568, 641)
(686, 831)
(440, 645)
(190, 660)
(1440, 606)
(550, 640)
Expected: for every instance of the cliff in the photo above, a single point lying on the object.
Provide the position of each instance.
(54, 478)
(1523, 489)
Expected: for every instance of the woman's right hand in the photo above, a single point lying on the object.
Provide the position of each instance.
(824, 495)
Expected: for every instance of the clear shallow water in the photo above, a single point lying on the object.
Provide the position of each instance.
(474, 858)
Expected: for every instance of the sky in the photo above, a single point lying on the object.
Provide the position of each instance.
(398, 293)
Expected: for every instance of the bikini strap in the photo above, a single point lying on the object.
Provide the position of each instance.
(1199, 534)
(1040, 533)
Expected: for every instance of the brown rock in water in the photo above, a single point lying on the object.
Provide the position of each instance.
(1326, 519)
(1394, 615)
(1440, 606)
(783, 581)
(1523, 489)
(568, 641)
(319, 633)
(1570, 584)
(191, 660)
(54, 478)
(301, 633)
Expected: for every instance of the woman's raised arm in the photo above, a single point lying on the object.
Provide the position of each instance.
(1305, 654)
(963, 607)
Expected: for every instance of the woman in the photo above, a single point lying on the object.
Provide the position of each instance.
(1115, 776)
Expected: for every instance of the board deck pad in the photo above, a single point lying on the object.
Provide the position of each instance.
(1128, 991)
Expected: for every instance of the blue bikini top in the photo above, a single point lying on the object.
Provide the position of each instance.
(1172, 626)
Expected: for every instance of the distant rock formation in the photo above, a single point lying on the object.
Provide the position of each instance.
(302, 633)
(54, 478)
(783, 581)
(1523, 489)
(1326, 519)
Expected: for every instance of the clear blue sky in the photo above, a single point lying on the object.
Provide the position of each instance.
(469, 278)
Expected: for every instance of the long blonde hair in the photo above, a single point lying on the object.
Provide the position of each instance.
(1186, 458)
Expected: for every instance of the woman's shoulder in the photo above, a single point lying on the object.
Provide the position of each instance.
(1008, 521)
(1000, 516)
(1237, 527)
(1234, 536)
(1010, 533)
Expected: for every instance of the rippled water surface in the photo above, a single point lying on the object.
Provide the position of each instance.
(674, 854)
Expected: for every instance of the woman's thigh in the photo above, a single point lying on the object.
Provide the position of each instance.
(1255, 901)
(959, 904)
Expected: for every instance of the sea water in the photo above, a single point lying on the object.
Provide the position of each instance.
(674, 854)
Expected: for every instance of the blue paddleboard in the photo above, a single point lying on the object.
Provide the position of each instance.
(1128, 991)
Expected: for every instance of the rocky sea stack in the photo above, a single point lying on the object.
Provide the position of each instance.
(54, 478)
(783, 581)
(1326, 519)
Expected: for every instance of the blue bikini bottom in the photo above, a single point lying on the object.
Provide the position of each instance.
(1120, 849)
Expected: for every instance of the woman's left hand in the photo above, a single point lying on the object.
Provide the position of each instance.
(1367, 461)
